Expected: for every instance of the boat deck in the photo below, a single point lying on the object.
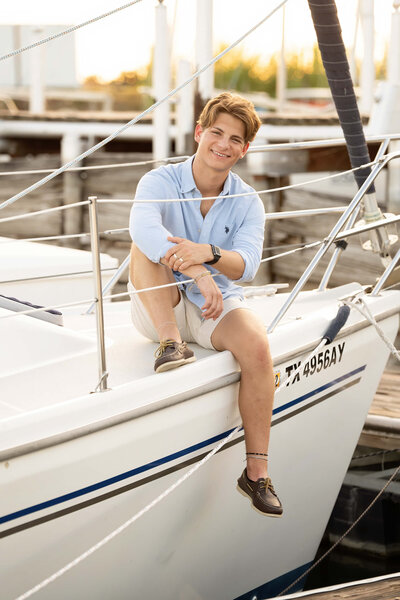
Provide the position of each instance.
(130, 356)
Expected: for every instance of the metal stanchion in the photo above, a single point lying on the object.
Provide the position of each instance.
(94, 242)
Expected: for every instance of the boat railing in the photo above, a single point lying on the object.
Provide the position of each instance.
(345, 221)
(335, 235)
(352, 219)
(315, 144)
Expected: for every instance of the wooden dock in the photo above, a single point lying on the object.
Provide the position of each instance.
(386, 404)
(379, 588)
(387, 398)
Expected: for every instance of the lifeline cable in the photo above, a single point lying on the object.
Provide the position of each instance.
(243, 194)
(165, 200)
(392, 477)
(124, 294)
(366, 313)
(139, 163)
(66, 31)
(151, 108)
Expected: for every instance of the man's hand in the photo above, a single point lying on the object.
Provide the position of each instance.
(213, 305)
(185, 254)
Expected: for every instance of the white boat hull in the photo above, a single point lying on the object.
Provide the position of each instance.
(203, 541)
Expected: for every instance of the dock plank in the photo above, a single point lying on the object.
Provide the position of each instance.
(375, 590)
(386, 403)
(387, 398)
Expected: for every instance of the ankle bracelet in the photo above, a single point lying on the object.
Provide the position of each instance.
(257, 455)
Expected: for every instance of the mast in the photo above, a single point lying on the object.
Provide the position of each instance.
(334, 58)
(333, 54)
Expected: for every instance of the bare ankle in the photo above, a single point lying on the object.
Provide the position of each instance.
(257, 466)
(169, 331)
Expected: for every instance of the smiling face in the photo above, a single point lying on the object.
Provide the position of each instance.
(222, 144)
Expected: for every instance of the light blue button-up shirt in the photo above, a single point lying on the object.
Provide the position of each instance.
(231, 223)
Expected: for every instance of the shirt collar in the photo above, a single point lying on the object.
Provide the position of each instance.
(226, 190)
(188, 183)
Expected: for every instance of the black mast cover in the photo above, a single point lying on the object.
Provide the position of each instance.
(333, 53)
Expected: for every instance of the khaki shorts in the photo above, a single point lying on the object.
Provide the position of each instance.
(192, 326)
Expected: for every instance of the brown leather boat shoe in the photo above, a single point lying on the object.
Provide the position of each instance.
(262, 495)
(171, 354)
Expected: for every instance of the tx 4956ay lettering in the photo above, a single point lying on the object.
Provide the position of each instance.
(323, 360)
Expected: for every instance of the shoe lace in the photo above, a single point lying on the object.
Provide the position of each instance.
(164, 344)
(267, 485)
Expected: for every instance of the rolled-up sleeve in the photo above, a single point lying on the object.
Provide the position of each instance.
(249, 238)
(146, 228)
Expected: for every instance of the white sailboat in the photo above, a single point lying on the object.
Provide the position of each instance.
(76, 465)
(87, 446)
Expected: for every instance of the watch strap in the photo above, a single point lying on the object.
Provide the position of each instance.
(216, 254)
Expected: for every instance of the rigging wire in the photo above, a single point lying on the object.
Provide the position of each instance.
(379, 453)
(278, 215)
(282, 254)
(44, 211)
(259, 192)
(370, 505)
(66, 31)
(151, 108)
(140, 163)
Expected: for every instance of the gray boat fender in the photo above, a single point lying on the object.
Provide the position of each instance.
(336, 324)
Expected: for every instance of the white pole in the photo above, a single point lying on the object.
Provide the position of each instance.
(367, 80)
(394, 106)
(393, 65)
(352, 57)
(161, 83)
(184, 109)
(71, 146)
(281, 74)
(204, 47)
(385, 117)
(36, 92)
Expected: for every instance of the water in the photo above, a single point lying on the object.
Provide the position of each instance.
(372, 548)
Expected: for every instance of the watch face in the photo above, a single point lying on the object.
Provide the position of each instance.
(216, 254)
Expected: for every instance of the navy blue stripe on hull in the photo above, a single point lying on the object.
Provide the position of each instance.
(161, 461)
(115, 479)
(318, 390)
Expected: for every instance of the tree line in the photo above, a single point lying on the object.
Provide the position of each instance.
(234, 71)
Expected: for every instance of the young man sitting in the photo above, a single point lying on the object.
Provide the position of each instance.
(214, 234)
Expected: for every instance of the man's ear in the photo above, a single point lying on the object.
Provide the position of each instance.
(197, 132)
(245, 148)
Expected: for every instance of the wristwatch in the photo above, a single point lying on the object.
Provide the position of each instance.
(216, 254)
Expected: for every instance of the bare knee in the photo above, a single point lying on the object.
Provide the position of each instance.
(144, 273)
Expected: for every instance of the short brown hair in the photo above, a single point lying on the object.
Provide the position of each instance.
(233, 105)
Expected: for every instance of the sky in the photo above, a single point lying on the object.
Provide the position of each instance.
(123, 42)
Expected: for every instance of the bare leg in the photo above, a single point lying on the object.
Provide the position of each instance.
(159, 303)
(241, 332)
